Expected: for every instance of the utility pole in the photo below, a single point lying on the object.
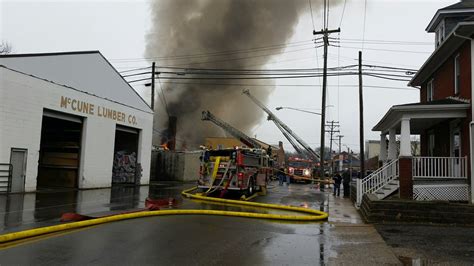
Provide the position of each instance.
(153, 86)
(325, 32)
(361, 120)
(349, 156)
(332, 129)
(340, 146)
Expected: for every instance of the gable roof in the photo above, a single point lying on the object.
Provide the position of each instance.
(460, 5)
(463, 7)
(455, 39)
(87, 71)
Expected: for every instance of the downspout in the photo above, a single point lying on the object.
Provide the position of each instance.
(471, 124)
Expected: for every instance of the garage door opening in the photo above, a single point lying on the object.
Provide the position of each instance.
(59, 151)
(126, 169)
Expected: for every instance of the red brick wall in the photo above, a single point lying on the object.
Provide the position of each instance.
(444, 76)
(406, 180)
(444, 87)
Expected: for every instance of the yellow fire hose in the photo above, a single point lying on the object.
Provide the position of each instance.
(314, 215)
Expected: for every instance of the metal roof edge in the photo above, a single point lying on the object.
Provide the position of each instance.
(430, 106)
(431, 25)
(389, 112)
(123, 79)
(50, 54)
(72, 88)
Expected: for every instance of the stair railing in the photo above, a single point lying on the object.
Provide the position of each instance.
(375, 181)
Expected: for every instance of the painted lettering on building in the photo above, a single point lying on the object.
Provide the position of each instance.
(97, 110)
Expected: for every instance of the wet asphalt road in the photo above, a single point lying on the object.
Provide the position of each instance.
(178, 240)
(430, 244)
(182, 240)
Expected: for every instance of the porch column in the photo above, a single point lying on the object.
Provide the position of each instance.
(383, 147)
(405, 142)
(405, 177)
(392, 144)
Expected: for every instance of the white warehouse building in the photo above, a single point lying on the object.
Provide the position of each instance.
(69, 120)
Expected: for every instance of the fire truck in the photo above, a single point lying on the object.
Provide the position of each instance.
(242, 170)
(299, 167)
(238, 169)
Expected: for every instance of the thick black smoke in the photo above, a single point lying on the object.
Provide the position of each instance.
(203, 27)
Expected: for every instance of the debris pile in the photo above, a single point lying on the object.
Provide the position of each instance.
(125, 168)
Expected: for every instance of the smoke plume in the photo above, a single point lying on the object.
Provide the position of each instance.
(200, 29)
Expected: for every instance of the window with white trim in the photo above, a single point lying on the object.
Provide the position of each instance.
(429, 90)
(457, 74)
(439, 34)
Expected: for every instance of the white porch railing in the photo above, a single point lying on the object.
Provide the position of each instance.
(377, 179)
(439, 167)
(440, 178)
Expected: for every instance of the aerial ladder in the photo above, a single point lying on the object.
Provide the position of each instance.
(287, 132)
(251, 143)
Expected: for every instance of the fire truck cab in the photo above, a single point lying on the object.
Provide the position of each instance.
(299, 167)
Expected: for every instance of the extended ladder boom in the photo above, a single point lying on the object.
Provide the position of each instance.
(251, 143)
(288, 137)
(282, 125)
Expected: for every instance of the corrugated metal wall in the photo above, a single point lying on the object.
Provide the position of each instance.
(174, 166)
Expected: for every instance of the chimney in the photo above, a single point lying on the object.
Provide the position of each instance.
(172, 123)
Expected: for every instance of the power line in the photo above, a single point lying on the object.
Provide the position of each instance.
(351, 59)
(181, 71)
(395, 79)
(248, 57)
(343, 10)
(327, 14)
(385, 50)
(307, 72)
(386, 41)
(163, 95)
(363, 31)
(248, 70)
(284, 85)
(135, 69)
(382, 43)
(376, 75)
(222, 53)
(311, 11)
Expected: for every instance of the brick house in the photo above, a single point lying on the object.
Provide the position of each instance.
(442, 118)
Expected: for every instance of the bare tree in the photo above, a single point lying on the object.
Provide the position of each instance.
(5, 48)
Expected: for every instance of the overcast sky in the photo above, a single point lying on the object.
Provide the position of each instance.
(118, 29)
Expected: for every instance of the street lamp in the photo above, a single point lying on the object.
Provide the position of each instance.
(296, 109)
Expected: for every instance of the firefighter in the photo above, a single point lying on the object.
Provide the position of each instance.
(346, 180)
(337, 184)
(281, 176)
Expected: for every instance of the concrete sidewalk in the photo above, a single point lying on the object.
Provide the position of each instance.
(347, 239)
(352, 241)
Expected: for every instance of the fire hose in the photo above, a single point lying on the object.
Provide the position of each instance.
(312, 215)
